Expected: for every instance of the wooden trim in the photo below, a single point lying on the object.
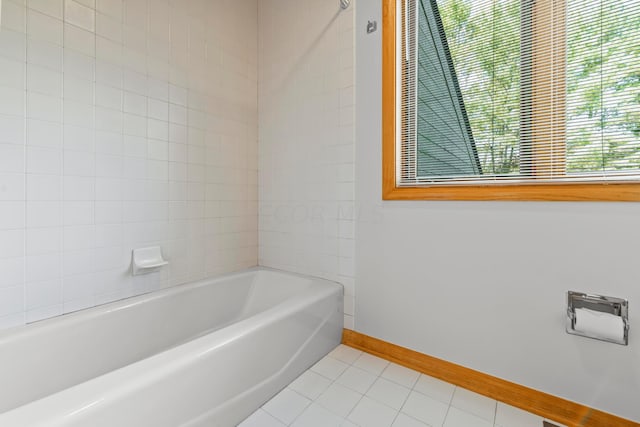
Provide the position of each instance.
(388, 96)
(545, 405)
(534, 192)
(597, 191)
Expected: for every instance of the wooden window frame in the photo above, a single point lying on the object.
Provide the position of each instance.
(593, 191)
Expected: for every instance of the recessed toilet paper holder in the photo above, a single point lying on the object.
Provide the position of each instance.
(598, 303)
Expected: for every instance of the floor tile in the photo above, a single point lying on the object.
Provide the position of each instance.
(474, 403)
(260, 418)
(310, 384)
(425, 409)
(508, 416)
(403, 420)
(356, 379)
(316, 416)
(339, 399)
(389, 393)
(345, 354)
(370, 363)
(458, 418)
(329, 367)
(401, 375)
(349, 388)
(369, 413)
(433, 387)
(286, 405)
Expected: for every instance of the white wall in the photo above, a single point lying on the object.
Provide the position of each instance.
(123, 124)
(306, 139)
(484, 284)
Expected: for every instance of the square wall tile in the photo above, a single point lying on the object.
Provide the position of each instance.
(52, 8)
(44, 27)
(11, 300)
(79, 15)
(86, 89)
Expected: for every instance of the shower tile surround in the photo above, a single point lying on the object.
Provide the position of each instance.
(123, 124)
(306, 121)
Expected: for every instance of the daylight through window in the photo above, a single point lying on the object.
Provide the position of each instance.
(516, 91)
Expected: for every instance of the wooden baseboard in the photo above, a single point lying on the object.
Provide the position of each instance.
(545, 405)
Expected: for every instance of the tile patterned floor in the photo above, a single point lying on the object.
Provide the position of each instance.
(350, 388)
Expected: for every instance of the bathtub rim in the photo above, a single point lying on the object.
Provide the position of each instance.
(86, 314)
(76, 400)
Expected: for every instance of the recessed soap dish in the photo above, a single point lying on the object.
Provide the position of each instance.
(147, 260)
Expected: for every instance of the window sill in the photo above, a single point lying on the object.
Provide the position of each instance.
(610, 192)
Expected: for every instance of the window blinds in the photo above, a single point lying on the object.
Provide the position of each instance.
(518, 90)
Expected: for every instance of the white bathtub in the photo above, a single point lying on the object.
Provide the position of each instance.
(203, 354)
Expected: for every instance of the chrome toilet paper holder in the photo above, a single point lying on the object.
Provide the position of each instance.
(600, 303)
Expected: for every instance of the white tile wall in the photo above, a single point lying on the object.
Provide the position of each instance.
(306, 122)
(123, 123)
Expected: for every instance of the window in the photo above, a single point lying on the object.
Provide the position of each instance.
(511, 99)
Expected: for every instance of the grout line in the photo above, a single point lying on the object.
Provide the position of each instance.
(24, 162)
(362, 395)
(61, 177)
(399, 411)
(446, 415)
(311, 402)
